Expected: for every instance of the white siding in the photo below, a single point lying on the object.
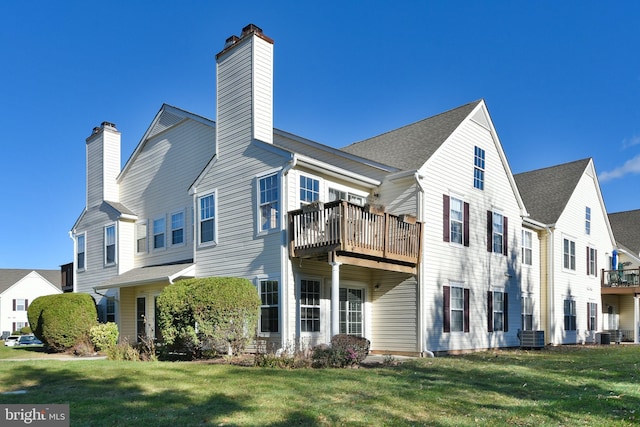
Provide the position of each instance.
(450, 172)
(263, 90)
(577, 285)
(29, 287)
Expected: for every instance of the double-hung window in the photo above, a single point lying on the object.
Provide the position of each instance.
(207, 212)
(141, 237)
(309, 190)
(455, 309)
(592, 312)
(110, 245)
(20, 304)
(478, 168)
(497, 309)
(527, 313)
(592, 261)
(527, 247)
(455, 220)
(569, 254)
(587, 220)
(497, 232)
(270, 307)
(177, 228)
(310, 305)
(268, 209)
(80, 243)
(569, 315)
(335, 194)
(159, 229)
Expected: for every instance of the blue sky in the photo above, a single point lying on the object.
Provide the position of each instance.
(561, 81)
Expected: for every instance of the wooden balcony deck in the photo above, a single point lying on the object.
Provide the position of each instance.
(356, 235)
(626, 281)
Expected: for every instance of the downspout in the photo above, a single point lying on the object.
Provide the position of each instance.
(550, 286)
(284, 250)
(422, 321)
(75, 257)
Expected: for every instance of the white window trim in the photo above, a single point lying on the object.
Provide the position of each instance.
(84, 267)
(216, 201)
(523, 247)
(257, 282)
(171, 229)
(321, 188)
(495, 212)
(136, 236)
(278, 227)
(164, 233)
(587, 220)
(459, 286)
(104, 244)
(462, 200)
(321, 305)
(575, 255)
(592, 260)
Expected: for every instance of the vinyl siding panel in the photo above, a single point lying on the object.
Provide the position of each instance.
(450, 171)
(395, 314)
(155, 188)
(577, 285)
(263, 89)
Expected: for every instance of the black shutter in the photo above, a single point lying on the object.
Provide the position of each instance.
(490, 311)
(465, 238)
(489, 231)
(446, 305)
(466, 310)
(505, 239)
(505, 310)
(445, 218)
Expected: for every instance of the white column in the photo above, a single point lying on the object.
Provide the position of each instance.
(636, 318)
(335, 298)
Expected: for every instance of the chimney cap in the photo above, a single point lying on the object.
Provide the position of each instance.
(251, 28)
(247, 31)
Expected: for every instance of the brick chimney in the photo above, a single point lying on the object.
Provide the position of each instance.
(103, 164)
(244, 70)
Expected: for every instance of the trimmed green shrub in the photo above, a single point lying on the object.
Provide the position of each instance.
(104, 335)
(215, 314)
(26, 330)
(63, 320)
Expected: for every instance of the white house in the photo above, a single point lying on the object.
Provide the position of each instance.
(576, 241)
(413, 239)
(19, 287)
(621, 278)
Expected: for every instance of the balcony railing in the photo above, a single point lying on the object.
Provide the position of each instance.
(356, 230)
(620, 278)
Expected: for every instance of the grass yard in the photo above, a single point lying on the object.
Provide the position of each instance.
(593, 386)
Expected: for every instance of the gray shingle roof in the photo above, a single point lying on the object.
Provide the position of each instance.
(409, 147)
(545, 192)
(626, 229)
(157, 273)
(10, 276)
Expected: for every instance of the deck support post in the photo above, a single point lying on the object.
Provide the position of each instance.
(335, 297)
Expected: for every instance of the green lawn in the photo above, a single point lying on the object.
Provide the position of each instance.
(556, 387)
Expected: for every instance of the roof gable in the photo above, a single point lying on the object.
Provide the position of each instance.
(626, 230)
(547, 191)
(409, 147)
(11, 276)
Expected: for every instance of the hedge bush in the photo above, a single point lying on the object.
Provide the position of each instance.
(63, 320)
(345, 351)
(104, 336)
(215, 314)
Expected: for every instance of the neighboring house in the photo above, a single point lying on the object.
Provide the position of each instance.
(413, 239)
(620, 279)
(567, 211)
(18, 288)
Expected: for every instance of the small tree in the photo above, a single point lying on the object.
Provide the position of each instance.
(215, 313)
(61, 321)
